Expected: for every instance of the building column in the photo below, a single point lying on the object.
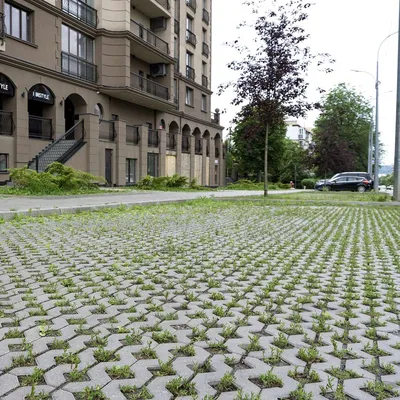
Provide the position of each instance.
(163, 151)
(143, 148)
(192, 156)
(212, 162)
(21, 129)
(91, 126)
(120, 128)
(204, 162)
(178, 168)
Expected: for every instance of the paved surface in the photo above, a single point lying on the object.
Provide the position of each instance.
(62, 204)
(204, 300)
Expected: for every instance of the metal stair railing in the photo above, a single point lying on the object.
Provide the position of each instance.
(67, 136)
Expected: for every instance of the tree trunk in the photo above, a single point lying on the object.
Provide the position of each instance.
(266, 162)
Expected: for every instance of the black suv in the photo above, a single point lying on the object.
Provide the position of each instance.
(347, 181)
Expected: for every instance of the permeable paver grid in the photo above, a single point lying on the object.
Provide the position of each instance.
(206, 300)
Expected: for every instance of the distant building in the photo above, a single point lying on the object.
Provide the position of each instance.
(299, 134)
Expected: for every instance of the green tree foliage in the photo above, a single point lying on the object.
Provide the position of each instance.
(248, 145)
(341, 132)
(387, 180)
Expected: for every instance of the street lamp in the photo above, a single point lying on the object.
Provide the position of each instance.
(377, 83)
(396, 188)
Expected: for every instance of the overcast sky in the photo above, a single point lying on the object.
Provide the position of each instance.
(350, 30)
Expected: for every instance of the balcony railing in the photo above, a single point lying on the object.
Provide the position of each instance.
(185, 144)
(149, 37)
(204, 81)
(40, 128)
(206, 49)
(153, 139)
(206, 16)
(190, 73)
(132, 134)
(78, 67)
(6, 123)
(150, 87)
(198, 147)
(81, 10)
(107, 130)
(215, 118)
(2, 26)
(192, 4)
(191, 38)
(171, 141)
(164, 3)
(176, 27)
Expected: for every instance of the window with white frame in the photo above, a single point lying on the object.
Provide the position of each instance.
(203, 102)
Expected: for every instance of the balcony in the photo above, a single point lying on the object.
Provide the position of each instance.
(206, 16)
(107, 131)
(198, 147)
(81, 11)
(206, 50)
(40, 128)
(148, 86)
(190, 73)
(78, 68)
(185, 144)
(149, 37)
(153, 139)
(6, 123)
(192, 4)
(191, 38)
(153, 8)
(171, 141)
(176, 27)
(132, 134)
(204, 81)
(2, 26)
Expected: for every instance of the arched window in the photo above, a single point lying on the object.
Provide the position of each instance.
(162, 124)
(98, 110)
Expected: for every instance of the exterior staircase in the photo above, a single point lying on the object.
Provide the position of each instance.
(61, 150)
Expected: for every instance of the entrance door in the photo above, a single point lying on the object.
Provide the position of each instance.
(152, 164)
(108, 165)
(69, 115)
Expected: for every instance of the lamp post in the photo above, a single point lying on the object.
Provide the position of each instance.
(396, 188)
(377, 83)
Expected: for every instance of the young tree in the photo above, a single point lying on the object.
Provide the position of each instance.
(341, 132)
(273, 78)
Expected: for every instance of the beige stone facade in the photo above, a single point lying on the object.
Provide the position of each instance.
(127, 79)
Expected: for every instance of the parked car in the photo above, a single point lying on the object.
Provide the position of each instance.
(365, 175)
(346, 183)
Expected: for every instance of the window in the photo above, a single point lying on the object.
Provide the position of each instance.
(189, 59)
(204, 68)
(203, 102)
(204, 36)
(189, 23)
(176, 91)
(204, 3)
(77, 44)
(17, 22)
(3, 162)
(176, 48)
(152, 164)
(189, 96)
(98, 110)
(130, 170)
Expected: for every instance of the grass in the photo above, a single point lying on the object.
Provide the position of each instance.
(335, 196)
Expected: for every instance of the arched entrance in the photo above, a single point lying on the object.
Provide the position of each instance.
(41, 112)
(7, 105)
(198, 147)
(186, 139)
(217, 143)
(74, 105)
(206, 135)
(173, 131)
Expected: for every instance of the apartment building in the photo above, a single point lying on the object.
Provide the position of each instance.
(117, 88)
(298, 133)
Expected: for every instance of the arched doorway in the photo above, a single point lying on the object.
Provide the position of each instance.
(74, 105)
(162, 124)
(198, 147)
(41, 112)
(7, 105)
(186, 139)
(173, 131)
(218, 150)
(206, 135)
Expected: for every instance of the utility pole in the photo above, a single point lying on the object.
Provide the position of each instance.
(376, 169)
(396, 188)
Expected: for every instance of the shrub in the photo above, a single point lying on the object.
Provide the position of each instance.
(283, 185)
(164, 182)
(176, 181)
(58, 178)
(309, 183)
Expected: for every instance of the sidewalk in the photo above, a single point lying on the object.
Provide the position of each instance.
(9, 206)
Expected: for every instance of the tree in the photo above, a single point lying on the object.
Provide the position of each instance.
(248, 141)
(341, 132)
(272, 79)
